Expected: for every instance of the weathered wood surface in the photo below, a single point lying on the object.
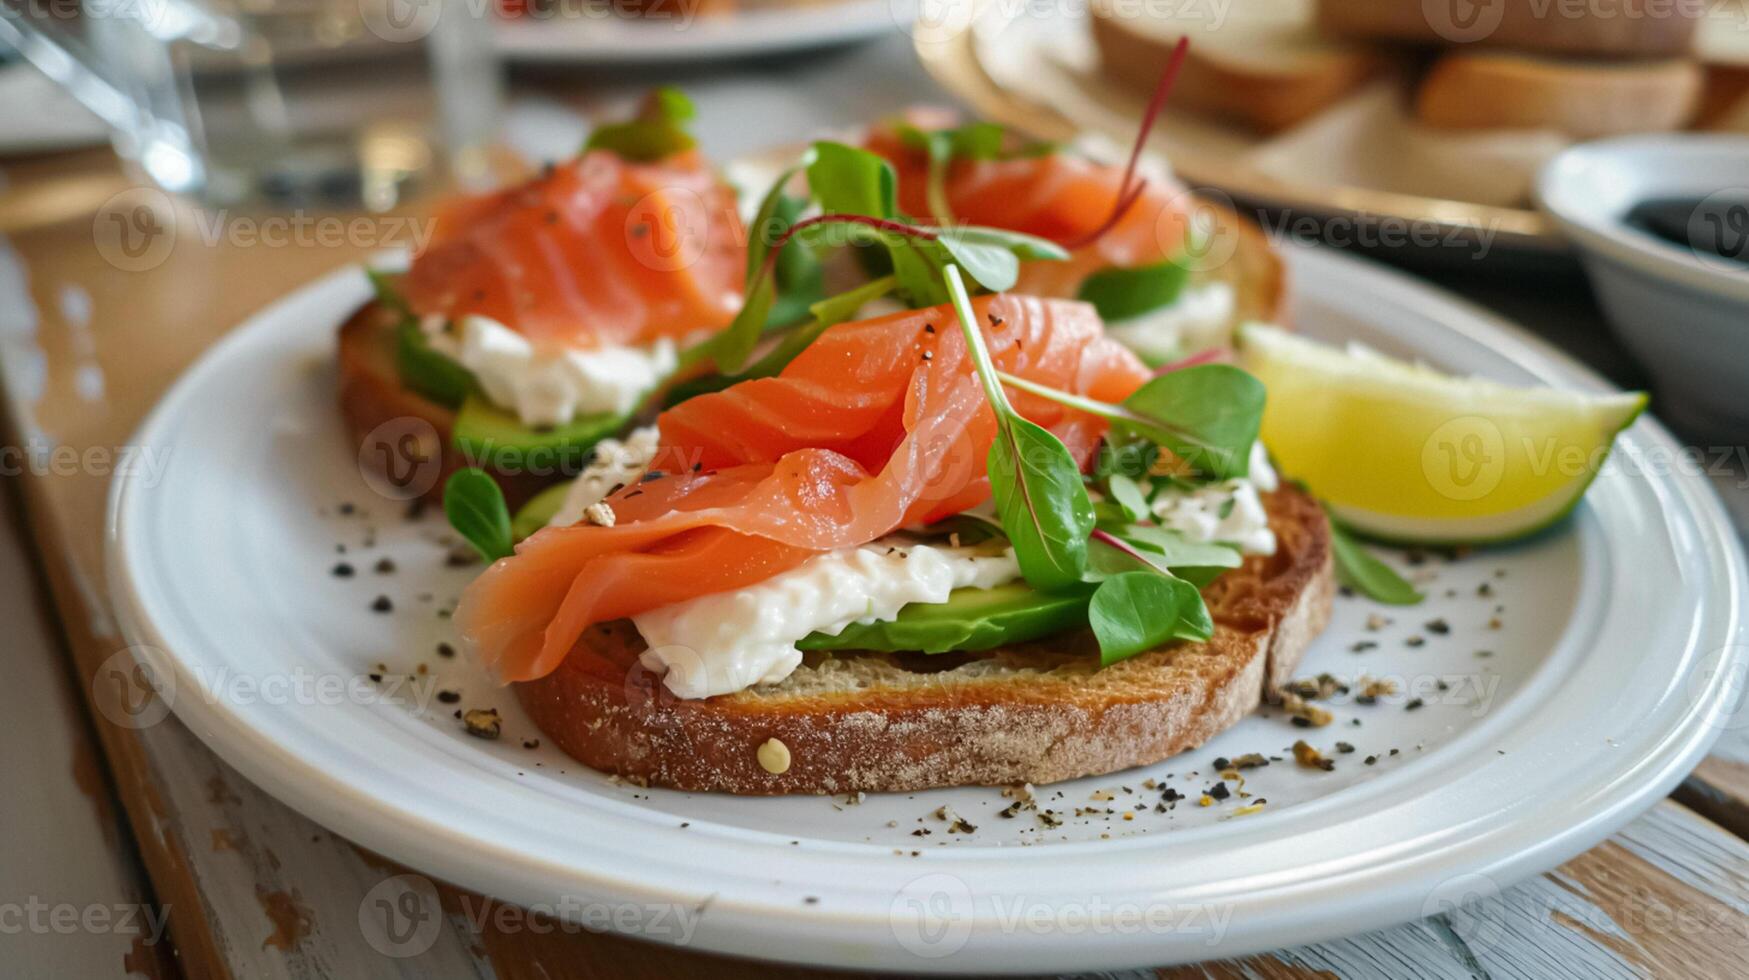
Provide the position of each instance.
(74, 900)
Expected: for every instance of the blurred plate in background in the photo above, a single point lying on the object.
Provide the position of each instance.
(1038, 71)
(583, 33)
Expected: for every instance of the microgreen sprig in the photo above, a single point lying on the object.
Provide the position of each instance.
(1207, 415)
(1037, 487)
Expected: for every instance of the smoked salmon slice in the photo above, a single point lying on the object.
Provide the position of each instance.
(592, 251)
(877, 425)
(1058, 196)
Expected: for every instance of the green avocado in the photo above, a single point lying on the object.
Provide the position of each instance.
(490, 437)
(424, 370)
(540, 509)
(970, 619)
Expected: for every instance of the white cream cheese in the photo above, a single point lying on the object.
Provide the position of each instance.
(1230, 512)
(727, 641)
(1201, 317)
(555, 386)
(615, 464)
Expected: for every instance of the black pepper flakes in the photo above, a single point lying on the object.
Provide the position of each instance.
(449, 697)
(1438, 627)
(382, 605)
(1219, 791)
(445, 650)
(343, 570)
(1413, 704)
(385, 566)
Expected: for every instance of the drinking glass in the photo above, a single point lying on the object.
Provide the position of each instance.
(291, 103)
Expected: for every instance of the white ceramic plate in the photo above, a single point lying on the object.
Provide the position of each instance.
(1609, 655)
(603, 40)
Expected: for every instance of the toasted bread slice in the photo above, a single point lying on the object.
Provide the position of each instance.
(1254, 270)
(1581, 99)
(1616, 28)
(381, 414)
(1039, 712)
(1262, 64)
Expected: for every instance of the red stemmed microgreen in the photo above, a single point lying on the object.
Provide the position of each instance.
(1131, 187)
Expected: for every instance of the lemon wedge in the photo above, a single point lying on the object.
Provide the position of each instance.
(1403, 452)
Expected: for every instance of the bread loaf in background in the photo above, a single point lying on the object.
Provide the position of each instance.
(1261, 63)
(1604, 28)
(1583, 99)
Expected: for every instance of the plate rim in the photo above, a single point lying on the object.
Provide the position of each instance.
(817, 938)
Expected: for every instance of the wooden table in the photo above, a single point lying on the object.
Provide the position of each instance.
(105, 814)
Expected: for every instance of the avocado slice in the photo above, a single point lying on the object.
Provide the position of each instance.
(423, 369)
(540, 509)
(496, 439)
(970, 619)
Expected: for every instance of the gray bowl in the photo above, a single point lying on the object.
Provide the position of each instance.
(1683, 312)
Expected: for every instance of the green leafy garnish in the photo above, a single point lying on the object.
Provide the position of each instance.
(1360, 571)
(658, 130)
(1128, 495)
(1134, 612)
(1199, 562)
(1034, 481)
(848, 180)
(1119, 294)
(1207, 415)
(475, 508)
(826, 313)
(992, 256)
(798, 275)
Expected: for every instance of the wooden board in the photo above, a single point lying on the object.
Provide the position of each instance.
(253, 889)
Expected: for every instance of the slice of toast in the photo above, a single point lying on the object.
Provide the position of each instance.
(1262, 64)
(1611, 28)
(1254, 269)
(1580, 99)
(1038, 712)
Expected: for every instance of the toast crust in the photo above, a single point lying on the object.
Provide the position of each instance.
(1255, 271)
(1039, 712)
